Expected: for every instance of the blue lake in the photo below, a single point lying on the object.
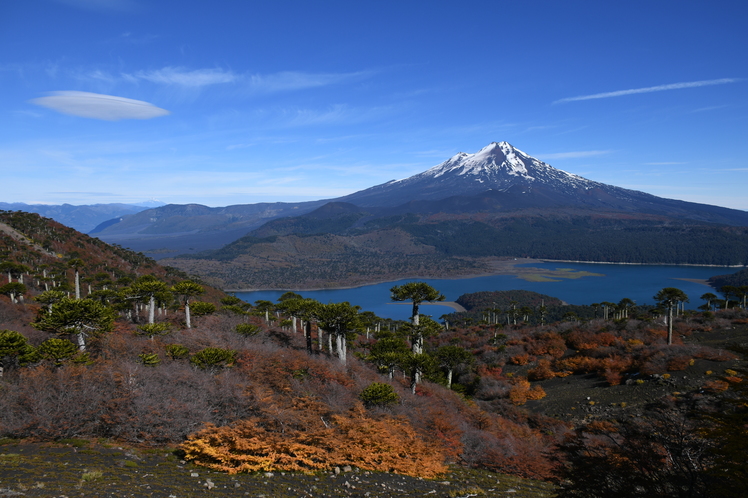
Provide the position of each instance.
(637, 282)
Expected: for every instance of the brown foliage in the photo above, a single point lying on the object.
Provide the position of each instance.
(521, 392)
(542, 371)
(520, 359)
(678, 363)
(386, 444)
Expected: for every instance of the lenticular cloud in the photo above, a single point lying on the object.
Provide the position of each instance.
(98, 106)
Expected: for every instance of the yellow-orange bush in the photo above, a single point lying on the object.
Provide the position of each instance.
(542, 371)
(521, 392)
(387, 444)
(579, 364)
(716, 385)
(520, 359)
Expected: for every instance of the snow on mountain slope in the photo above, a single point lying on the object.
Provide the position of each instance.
(498, 166)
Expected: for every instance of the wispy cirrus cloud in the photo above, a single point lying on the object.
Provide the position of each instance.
(181, 77)
(294, 80)
(575, 154)
(99, 106)
(254, 83)
(659, 88)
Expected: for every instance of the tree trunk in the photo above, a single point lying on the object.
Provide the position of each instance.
(340, 346)
(151, 309)
(670, 325)
(77, 285)
(308, 334)
(449, 379)
(81, 341)
(187, 314)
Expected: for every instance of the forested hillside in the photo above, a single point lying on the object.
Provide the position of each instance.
(737, 279)
(340, 245)
(145, 356)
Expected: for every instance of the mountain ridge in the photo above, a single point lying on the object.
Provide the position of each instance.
(498, 181)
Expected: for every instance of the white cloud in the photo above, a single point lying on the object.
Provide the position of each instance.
(256, 83)
(292, 80)
(574, 155)
(180, 76)
(98, 106)
(660, 88)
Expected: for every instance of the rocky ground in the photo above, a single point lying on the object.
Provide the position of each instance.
(76, 468)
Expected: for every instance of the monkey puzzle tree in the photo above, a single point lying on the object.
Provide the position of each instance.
(14, 270)
(708, 297)
(669, 297)
(147, 288)
(339, 319)
(49, 297)
(14, 290)
(76, 264)
(417, 293)
(308, 311)
(264, 307)
(388, 352)
(450, 357)
(80, 317)
(186, 290)
(624, 305)
(14, 350)
(426, 327)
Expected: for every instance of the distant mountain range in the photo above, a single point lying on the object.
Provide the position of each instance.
(497, 202)
(497, 181)
(82, 218)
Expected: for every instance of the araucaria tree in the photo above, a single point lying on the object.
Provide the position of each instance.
(417, 293)
(76, 264)
(148, 287)
(450, 357)
(187, 289)
(79, 317)
(669, 297)
(339, 319)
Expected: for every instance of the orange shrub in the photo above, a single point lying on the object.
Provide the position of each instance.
(520, 359)
(605, 338)
(579, 364)
(521, 392)
(542, 371)
(613, 377)
(716, 385)
(486, 371)
(678, 363)
(385, 444)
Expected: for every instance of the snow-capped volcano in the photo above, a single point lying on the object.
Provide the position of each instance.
(500, 164)
(500, 177)
(499, 167)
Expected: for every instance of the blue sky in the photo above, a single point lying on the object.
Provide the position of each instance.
(235, 102)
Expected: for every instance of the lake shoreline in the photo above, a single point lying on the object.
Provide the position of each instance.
(497, 267)
(494, 267)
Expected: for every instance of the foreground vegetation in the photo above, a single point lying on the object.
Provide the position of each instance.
(301, 386)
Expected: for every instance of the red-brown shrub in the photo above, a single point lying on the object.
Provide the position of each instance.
(678, 363)
(542, 371)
